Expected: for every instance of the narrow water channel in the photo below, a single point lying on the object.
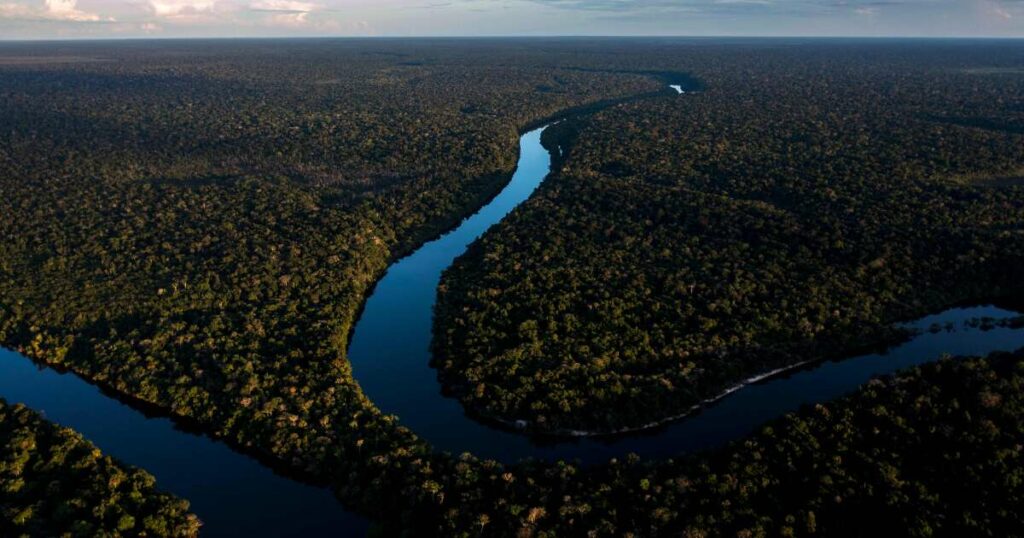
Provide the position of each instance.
(233, 494)
(390, 353)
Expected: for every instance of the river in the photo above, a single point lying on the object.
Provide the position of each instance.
(390, 356)
(235, 495)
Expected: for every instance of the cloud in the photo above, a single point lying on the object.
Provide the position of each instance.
(184, 18)
(640, 9)
(782, 7)
(286, 12)
(285, 6)
(614, 5)
(16, 11)
(176, 8)
(1000, 11)
(66, 10)
(50, 10)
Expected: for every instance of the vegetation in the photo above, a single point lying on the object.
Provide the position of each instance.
(934, 451)
(54, 483)
(198, 229)
(195, 225)
(796, 209)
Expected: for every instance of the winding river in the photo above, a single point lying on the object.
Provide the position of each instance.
(390, 356)
(235, 495)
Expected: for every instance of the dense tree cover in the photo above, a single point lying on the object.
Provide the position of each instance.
(797, 208)
(54, 483)
(195, 225)
(934, 451)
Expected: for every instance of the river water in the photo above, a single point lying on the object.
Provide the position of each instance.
(235, 495)
(390, 356)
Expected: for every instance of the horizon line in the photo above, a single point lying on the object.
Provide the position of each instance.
(964, 37)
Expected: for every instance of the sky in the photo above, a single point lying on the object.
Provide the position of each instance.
(62, 19)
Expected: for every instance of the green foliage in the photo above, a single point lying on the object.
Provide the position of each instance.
(54, 483)
(795, 209)
(934, 451)
(195, 224)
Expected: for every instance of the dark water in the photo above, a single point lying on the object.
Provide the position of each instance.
(233, 494)
(389, 351)
(237, 496)
(743, 411)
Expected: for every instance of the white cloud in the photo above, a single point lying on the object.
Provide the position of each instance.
(174, 8)
(51, 10)
(15, 11)
(289, 19)
(284, 5)
(866, 11)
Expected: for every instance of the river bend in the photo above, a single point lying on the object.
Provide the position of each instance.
(235, 495)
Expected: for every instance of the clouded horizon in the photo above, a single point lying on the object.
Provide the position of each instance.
(50, 19)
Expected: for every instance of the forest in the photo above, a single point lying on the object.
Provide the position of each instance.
(934, 451)
(796, 209)
(196, 225)
(54, 483)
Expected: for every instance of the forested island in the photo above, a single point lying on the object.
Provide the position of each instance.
(195, 225)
